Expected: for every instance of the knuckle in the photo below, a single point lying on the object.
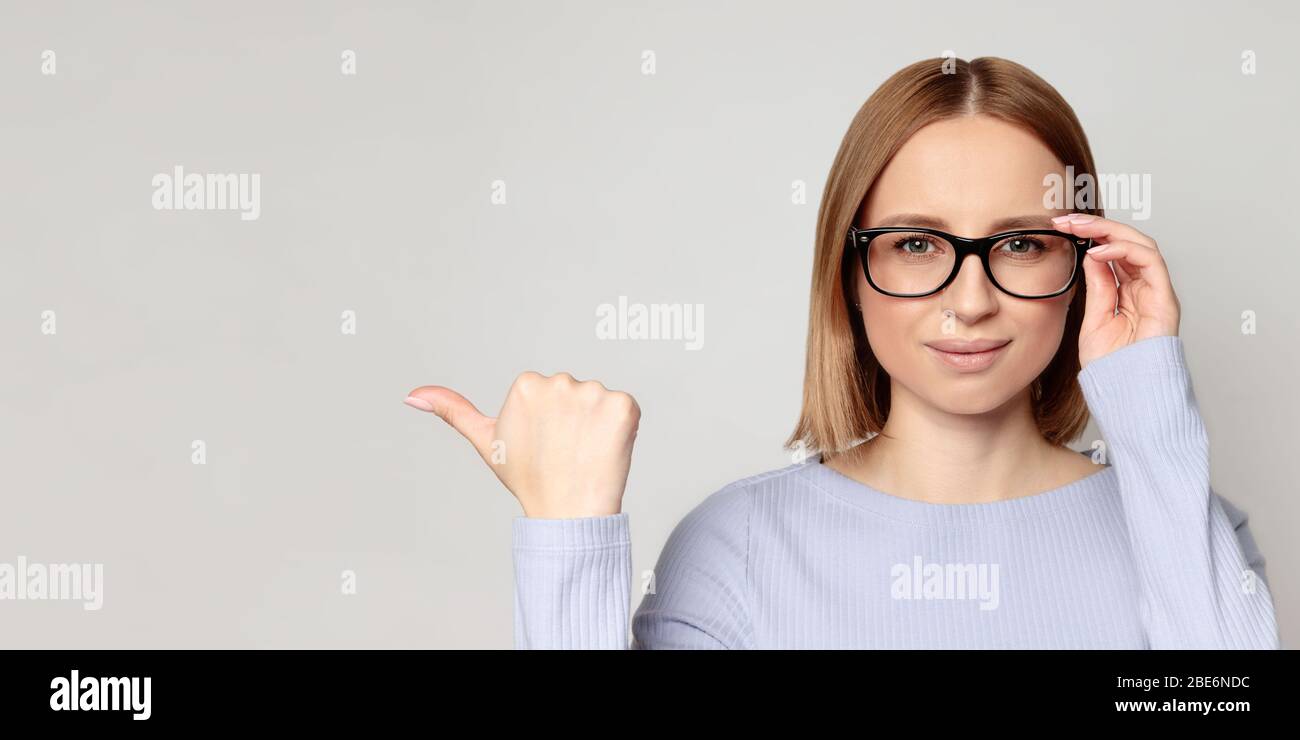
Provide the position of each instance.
(625, 404)
(526, 381)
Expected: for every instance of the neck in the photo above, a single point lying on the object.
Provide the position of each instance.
(932, 455)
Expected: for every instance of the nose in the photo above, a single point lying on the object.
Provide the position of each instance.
(971, 296)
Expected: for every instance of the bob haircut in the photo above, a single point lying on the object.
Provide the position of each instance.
(846, 392)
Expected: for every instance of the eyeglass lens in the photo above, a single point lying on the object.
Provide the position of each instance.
(1027, 264)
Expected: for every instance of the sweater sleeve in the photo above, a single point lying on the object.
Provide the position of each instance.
(573, 578)
(1200, 572)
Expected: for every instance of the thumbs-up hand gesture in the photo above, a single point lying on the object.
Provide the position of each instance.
(561, 447)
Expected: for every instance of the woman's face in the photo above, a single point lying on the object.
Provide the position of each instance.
(966, 176)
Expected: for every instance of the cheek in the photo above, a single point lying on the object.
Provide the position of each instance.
(1038, 328)
(897, 327)
(1042, 330)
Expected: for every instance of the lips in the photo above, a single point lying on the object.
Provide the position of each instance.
(968, 356)
(965, 346)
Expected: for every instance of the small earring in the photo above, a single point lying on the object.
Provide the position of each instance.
(859, 305)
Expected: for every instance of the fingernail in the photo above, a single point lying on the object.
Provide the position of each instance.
(1098, 248)
(1059, 219)
(1081, 218)
(418, 403)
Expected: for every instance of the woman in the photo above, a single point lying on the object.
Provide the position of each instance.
(958, 326)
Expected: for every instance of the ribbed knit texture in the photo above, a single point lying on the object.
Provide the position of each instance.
(1141, 553)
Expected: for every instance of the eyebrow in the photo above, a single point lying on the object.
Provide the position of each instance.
(1030, 221)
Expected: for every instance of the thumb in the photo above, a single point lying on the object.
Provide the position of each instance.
(1099, 307)
(457, 411)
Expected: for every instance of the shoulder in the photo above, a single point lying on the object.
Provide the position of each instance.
(723, 515)
(738, 495)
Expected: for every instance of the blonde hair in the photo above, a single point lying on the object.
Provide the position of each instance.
(846, 393)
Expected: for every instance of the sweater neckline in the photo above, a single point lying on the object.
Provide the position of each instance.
(889, 505)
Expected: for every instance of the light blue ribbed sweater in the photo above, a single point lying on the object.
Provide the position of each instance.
(1142, 553)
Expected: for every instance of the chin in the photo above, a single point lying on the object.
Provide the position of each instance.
(969, 406)
(971, 397)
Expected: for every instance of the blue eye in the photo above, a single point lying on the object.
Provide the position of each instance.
(1021, 245)
(911, 242)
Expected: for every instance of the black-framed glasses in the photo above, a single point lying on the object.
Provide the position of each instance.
(906, 262)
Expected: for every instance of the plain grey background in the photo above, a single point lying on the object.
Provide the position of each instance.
(174, 326)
